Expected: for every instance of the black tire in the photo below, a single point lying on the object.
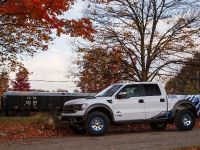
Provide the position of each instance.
(97, 124)
(184, 120)
(78, 129)
(158, 126)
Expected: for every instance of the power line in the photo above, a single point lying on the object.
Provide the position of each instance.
(46, 80)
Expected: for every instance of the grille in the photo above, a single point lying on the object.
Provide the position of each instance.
(69, 109)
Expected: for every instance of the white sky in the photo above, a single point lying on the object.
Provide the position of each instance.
(54, 64)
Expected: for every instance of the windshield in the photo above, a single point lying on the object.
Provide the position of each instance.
(109, 91)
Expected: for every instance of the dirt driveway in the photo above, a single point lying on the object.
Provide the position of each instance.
(113, 141)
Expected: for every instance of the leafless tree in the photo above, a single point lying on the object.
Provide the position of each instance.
(153, 35)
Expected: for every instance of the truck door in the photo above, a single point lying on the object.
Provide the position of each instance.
(155, 102)
(130, 106)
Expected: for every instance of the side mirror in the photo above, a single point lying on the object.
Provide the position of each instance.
(121, 95)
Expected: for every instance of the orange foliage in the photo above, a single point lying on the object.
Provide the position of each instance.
(27, 27)
(37, 130)
(48, 13)
(21, 82)
(24, 131)
(100, 68)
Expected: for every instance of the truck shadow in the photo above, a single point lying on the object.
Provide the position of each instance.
(140, 128)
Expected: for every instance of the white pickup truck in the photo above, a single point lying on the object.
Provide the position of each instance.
(137, 102)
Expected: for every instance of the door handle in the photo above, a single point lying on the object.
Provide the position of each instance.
(162, 100)
(141, 101)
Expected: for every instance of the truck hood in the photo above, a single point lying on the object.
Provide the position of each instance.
(88, 100)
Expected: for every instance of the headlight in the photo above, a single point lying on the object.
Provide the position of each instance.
(80, 106)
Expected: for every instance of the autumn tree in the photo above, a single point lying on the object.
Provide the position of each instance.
(100, 68)
(153, 35)
(4, 82)
(187, 80)
(21, 81)
(28, 26)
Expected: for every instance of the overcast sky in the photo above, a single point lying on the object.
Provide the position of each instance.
(54, 64)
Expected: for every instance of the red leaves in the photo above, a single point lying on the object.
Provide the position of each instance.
(100, 68)
(21, 83)
(36, 1)
(11, 131)
(47, 13)
(23, 131)
(82, 27)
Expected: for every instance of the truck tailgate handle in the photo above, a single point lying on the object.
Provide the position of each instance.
(141, 101)
(162, 100)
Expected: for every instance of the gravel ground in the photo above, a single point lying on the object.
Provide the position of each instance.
(114, 141)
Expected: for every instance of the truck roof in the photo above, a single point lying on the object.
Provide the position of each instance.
(148, 82)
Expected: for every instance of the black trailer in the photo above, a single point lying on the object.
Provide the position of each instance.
(13, 102)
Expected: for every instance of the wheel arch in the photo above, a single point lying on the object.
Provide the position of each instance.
(101, 108)
(184, 104)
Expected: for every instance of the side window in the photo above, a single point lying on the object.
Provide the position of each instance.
(151, 90)
(133, 90)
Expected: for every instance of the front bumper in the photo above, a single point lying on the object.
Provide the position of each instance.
(72, 119)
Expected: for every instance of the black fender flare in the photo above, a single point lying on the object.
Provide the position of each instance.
(98, 105)
(186, 102)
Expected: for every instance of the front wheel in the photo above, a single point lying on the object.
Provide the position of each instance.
(97, 124)
(184, 120)
(159, 126)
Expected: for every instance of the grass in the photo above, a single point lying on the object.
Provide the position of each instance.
(24, 120)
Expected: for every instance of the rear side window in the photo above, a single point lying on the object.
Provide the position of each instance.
(151, 90)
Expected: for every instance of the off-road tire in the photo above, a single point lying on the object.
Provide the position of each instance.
(97, 123)
(184, 120)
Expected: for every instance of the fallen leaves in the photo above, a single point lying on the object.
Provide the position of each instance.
(10, 131)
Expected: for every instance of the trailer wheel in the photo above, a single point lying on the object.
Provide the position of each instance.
(25, 113)
(6, 111)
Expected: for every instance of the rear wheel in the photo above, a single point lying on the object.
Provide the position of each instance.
(97, 124)
(158, 126)
(184, 120)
